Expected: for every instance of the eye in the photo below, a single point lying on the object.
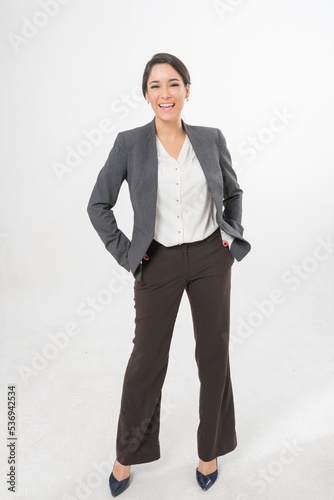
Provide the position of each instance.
(175, 85)
(154, 86)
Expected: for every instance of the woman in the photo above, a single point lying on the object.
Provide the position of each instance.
(187, 232)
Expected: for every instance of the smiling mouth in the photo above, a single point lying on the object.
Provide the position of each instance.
(166, 106)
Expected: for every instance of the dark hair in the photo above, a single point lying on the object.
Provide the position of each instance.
(163, 58)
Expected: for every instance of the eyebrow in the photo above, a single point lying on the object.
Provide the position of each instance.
(170, 80)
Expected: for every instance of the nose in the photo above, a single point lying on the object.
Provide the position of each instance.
(165, 93)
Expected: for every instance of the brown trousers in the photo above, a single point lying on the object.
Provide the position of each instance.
(203, 269)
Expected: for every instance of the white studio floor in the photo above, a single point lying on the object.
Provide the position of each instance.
(282, 374)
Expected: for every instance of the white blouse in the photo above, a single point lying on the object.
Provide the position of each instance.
(185, 210)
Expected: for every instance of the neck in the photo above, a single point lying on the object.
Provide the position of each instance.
(168, 129)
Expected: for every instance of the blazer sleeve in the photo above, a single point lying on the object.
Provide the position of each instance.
(232, 201)
(103, 199)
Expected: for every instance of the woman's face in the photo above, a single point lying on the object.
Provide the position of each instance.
(166, 92)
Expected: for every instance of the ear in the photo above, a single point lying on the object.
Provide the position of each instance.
(187, 90)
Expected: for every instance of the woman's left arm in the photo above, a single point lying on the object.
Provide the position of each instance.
(232, 201)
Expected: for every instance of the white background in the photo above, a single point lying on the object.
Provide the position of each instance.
(65, 69)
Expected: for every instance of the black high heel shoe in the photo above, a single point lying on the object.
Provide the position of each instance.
(206, 482)
(117, 487)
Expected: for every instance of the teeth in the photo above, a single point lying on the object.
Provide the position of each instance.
(166, 105)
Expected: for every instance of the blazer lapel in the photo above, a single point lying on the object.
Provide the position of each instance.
(203, 152)
(149, 174)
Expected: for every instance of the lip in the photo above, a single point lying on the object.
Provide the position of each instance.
(166, 105)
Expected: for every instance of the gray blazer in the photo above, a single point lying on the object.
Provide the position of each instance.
(134, 158)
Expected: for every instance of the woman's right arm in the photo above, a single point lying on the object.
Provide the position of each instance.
(103, 199)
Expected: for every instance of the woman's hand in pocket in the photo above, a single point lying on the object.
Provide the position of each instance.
(146, 257)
